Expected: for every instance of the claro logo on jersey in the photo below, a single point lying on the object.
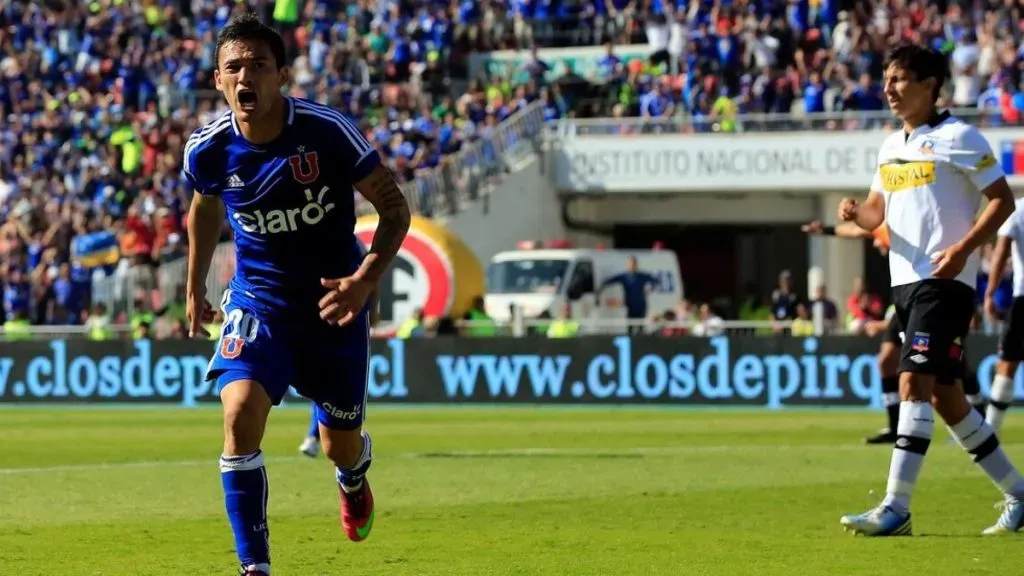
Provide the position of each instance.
(341, 413)
(288, 220)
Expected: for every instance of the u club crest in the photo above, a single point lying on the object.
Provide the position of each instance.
(305, 167)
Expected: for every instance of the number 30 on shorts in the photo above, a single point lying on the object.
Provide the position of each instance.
(239, 327)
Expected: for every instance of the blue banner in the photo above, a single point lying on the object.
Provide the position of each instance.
(95, 249)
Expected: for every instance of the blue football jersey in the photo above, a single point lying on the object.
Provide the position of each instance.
(290, 203)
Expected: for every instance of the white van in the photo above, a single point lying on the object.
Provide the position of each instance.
(538, 281)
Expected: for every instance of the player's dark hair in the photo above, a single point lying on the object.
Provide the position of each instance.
(922, 62)
(247, 26)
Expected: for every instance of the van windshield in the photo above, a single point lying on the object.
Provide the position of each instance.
(526, 276)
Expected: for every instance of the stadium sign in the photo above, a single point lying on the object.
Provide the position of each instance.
(791, 161)
(434, 270)
(743, 371)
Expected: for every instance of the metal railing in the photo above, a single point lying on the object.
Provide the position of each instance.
(464, 176)
(530, 327)
(119, 290)
(825, 121)
(619, 326)
(44, 333)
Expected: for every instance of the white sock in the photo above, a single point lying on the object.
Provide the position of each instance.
(913, 435)
(977, 437)
(1000, 401)
(351, 479)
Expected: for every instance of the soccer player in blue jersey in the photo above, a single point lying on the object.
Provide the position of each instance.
(283, 169)
(311, 443)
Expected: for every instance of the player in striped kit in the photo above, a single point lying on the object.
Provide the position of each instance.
(1009, 242)
(930, 180)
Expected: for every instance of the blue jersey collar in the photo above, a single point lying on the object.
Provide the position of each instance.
(289, 105)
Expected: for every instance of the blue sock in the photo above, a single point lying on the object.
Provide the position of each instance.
(351, 479)
(245, 496)
(314, 425)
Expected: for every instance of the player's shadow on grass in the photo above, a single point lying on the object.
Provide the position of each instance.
(597, 455)
(948, 536)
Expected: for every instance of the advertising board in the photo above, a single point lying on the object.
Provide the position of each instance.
(741, 371)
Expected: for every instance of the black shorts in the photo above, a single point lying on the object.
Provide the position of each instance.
(936, 315)
(1011, 345)
(971, 384)
(894, 332)
(894, 335)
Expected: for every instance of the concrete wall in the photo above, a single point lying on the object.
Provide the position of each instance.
(523, 207)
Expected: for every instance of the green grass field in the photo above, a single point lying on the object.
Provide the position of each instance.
(554, 492)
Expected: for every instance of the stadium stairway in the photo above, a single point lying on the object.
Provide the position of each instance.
(497, 192)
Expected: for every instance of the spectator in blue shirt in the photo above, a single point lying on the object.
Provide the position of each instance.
(657, 103)
(609, 66)
(636, 286)
(814, 94)
(552, 110)
(991, 99)
(17, 292)
(865, 96)
(536, 67)
(868, 94)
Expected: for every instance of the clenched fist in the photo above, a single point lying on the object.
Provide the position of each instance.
(848, 209)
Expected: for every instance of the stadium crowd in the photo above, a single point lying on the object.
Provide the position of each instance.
(98, 97)
(713, 62)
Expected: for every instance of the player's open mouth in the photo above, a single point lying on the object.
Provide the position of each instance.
(247, 99)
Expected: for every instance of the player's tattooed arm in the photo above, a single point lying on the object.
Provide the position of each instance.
(381, 190)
